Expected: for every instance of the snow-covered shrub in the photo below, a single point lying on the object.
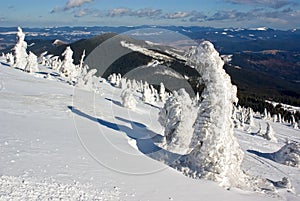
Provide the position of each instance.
(20, 54)
(289, 154)
(32, 63)
(178, 116)
(128, 100)
(216, 154)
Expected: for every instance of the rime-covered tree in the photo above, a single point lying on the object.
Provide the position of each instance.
(178, 116)
(10, 59)
(216, 154)
(279, 118)
(147, 94)
(289, 154)
(269, 134)
(20, 54)
(68, 69)
(249, 116)
(162, 92)
(87, 79)
(128, 100)
(112, 79)
(32, 63)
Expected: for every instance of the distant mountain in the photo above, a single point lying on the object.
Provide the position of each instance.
(265, 62)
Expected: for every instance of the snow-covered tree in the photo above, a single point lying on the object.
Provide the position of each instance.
(112, 79)
(123, 83)
(289, 154)
(20, 54)
(216, 154)
(269, 134)
(81, 60)
(128, 100)
(32, 63)
(249, 116)
(197, 99)
(259, 132)
(10, 59)
(162, 92)
(55, 63)
(265, 116)
(118, 80)
(178, 116)
(275, 119)
(279, 118)
(134, 85)
(87, 79)
(68, 69)
(147, 94)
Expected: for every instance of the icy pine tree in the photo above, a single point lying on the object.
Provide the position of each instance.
(20, 53)
(178, 116)
(32, 64)
(216, 154)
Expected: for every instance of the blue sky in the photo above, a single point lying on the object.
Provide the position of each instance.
(279, 14)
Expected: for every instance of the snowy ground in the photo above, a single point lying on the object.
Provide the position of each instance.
(61, 142)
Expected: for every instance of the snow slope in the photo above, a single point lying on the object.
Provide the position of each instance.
(54, 136)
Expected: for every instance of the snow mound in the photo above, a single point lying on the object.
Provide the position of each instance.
(18, 188)
(289, 155)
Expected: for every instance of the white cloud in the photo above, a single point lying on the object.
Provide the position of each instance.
(119, 12)
(268, 3)
(76, 3)
(177, 15)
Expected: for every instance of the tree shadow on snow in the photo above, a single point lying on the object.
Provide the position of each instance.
(53, 74)
(261, 154)
(114, 102)
(4, 64)
(145, 138)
